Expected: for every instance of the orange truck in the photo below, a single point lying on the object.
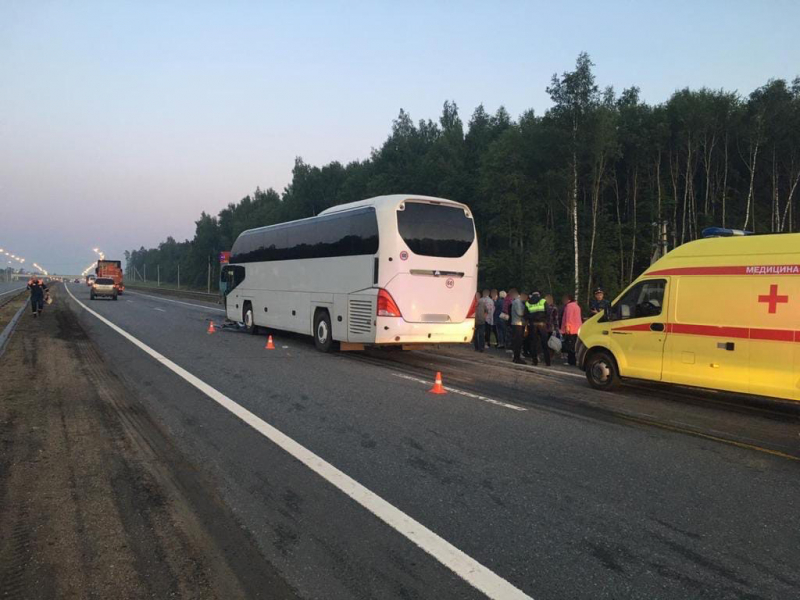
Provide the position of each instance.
(112, 269)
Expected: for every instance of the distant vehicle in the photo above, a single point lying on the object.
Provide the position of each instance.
(721, 313)
(104, 287)
(76, 280)
(394, 270)
(112, 269)
(90, 279)
(224, 259)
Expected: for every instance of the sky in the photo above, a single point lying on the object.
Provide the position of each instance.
(121, 121)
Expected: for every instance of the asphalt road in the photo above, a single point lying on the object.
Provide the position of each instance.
(579, 495)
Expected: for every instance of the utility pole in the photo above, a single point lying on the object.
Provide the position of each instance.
(209, 275)
(179, 275)
(145, 273)
(662, 243)
(158, 272)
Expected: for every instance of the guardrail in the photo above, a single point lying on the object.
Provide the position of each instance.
(9, 329)
(215, 298)
(6, 297)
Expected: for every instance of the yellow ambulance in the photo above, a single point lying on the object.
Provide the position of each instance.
(720, 313)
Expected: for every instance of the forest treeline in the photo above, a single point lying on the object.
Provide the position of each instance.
(562, 201)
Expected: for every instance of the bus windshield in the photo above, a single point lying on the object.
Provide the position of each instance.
(435, 229)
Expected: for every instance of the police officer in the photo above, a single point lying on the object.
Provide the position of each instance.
(537, 327)
(598, 304)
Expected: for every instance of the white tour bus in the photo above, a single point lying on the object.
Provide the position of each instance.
(397, 270)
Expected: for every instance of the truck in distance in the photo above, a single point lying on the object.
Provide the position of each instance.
(113, 270)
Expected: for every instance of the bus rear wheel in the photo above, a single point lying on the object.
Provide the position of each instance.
(323, 334)
(601, 371)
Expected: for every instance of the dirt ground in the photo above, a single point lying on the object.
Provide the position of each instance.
(95, 501)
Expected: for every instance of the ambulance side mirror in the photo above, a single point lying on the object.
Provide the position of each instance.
(608, 314)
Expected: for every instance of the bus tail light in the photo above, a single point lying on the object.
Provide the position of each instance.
(386, 305)
(473, 306)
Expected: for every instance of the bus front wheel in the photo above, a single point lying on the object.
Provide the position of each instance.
(601, 371)
(323, 334)
(249, 319)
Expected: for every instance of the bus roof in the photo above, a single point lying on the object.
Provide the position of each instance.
(378, 202)
(390, 200)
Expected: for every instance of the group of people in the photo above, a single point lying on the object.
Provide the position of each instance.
(531, 325)
(39, 295)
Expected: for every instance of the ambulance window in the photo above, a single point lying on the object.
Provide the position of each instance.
(645, 299)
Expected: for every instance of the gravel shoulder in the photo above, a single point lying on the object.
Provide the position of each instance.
(95, 501)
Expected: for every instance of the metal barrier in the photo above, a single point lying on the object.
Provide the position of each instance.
(9, 329)
(205, 296)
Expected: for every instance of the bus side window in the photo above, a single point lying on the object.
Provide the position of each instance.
(237, 274)
(231, 276)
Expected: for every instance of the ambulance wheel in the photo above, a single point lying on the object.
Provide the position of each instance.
(249, 319)
(601, 371)
(323, 334)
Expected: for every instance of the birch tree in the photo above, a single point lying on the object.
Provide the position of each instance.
(575, 95)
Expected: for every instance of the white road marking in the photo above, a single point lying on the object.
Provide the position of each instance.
(159, 309)
(463, 393)
(542, 370)
(128, 300)
(222, 310)
(466, 567)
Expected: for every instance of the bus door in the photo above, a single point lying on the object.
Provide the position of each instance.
(638, 329)
(230, 277)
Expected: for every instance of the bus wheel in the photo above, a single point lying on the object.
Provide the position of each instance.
(323, 335)
(601, 371)
(249, 319)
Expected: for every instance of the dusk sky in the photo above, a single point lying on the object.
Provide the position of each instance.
(121, 122)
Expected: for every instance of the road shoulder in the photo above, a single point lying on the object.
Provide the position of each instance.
(95, 501)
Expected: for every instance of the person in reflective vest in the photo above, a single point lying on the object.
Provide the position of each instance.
(37, 289)
(537, 328)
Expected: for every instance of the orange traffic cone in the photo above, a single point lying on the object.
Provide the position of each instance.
(438, 388)
(270, 345)
(211, 327)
